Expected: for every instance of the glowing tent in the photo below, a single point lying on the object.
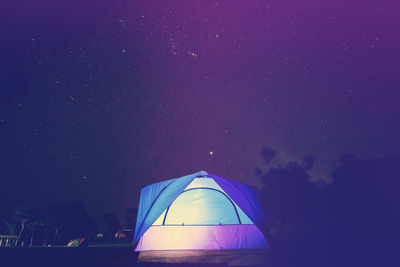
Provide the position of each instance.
(199, 218)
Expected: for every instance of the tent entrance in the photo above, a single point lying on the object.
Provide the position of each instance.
(200, 208)
(202, 202)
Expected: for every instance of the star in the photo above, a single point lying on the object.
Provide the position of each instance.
(193, 54)
(211, 153)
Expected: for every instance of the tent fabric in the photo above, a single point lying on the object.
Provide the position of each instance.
(210, 183)
(205, 209)
(147, 196)
(195, 237)
(155, 198)
(202, 206)
(245, 196)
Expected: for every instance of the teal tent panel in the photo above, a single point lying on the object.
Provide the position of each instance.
(202, 206)
(245, 196)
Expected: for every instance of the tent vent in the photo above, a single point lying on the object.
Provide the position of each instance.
(202, 174)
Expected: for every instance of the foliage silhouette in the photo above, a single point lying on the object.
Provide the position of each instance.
(56, 225)
(292, 203)
(351, 222)
(112, 225)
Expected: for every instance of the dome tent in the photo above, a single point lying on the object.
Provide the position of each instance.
(196, 218)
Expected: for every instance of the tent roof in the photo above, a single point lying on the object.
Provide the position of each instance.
(155, 198)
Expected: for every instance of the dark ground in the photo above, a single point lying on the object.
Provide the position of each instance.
(62, 256)
(86, 256)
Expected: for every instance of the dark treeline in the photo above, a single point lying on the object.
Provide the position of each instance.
(53, 226)
(354, 221)
(59, 224)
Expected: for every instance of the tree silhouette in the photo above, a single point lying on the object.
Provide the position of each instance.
(288, 195)
(268, 154)
(351, 222)
(292, 203)
(130, 215)
(67, 221)
(364, 210)
(112, 225)
(20, 217)
(130, 218)
(11, 227)
(35, 220)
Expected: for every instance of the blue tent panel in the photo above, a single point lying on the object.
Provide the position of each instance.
(245, 197)
(148, 195)
(155, 198)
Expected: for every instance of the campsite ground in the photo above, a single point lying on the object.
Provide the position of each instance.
(63, 256)
(89, 256)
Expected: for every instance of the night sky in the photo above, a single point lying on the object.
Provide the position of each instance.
(99, 98)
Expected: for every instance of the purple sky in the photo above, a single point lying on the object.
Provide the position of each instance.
(103, 97)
